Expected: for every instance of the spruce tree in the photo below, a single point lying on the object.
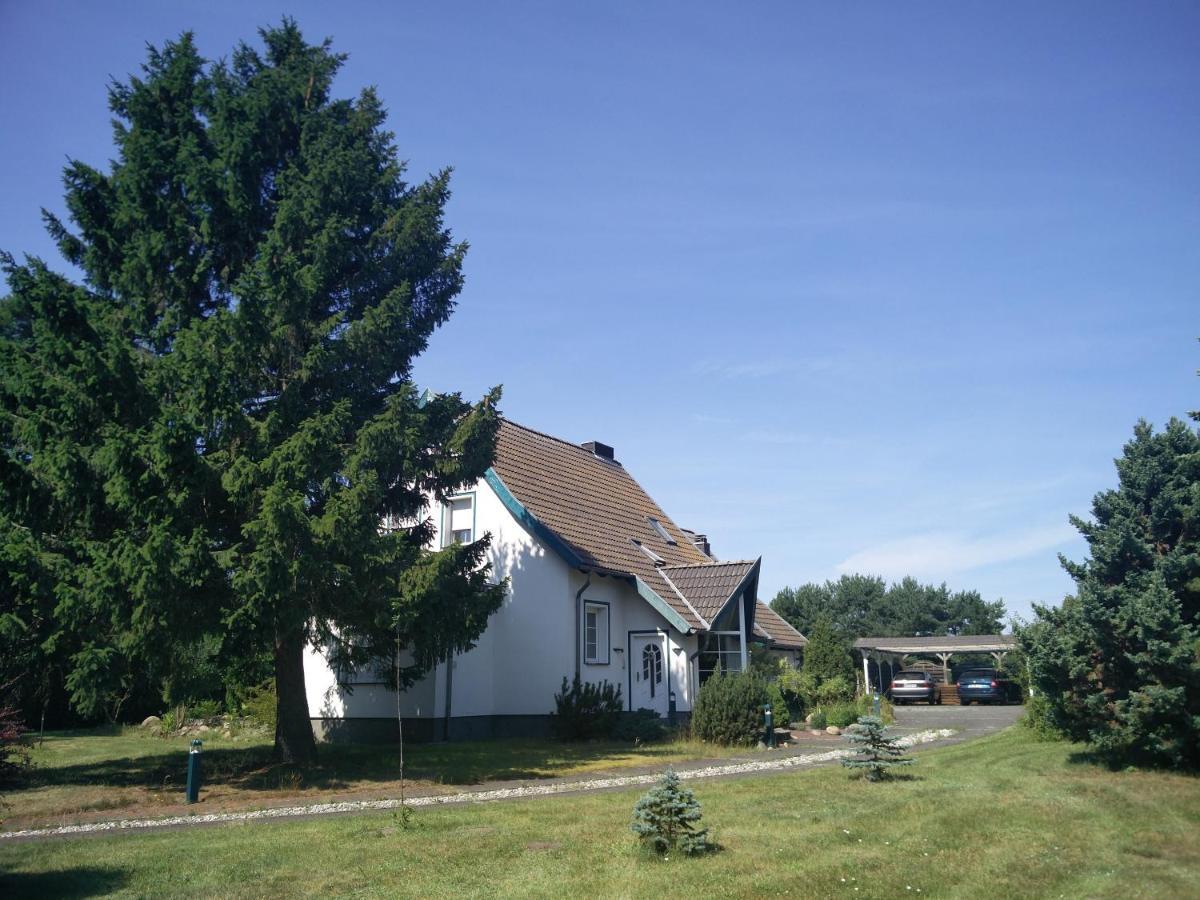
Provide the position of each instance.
(1119, 662)
(203, 436)
(665, 818)
(878, 754)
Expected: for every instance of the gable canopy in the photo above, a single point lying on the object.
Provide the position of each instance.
(594, 514)
(769, 624)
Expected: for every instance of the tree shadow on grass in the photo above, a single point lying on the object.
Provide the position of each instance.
(340, 765)
(83, 881)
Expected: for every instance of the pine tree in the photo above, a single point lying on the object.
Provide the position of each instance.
(203, 437)
(878, 754)
(665, 818)
(1119, 663)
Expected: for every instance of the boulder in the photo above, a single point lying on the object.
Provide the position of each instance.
(833, 729)
(151, 722)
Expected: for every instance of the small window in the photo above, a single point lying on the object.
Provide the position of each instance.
(662, 532)
(595, 633)
(458, 523)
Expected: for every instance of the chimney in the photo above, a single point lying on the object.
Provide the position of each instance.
(701, 542)
(601, 450)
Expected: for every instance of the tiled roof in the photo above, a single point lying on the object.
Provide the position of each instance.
(770, 624)
(596, 508)
(709, 585)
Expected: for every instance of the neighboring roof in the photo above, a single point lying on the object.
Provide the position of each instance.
(594, 511)
(709, 586)
(770, 624)
(958, 643)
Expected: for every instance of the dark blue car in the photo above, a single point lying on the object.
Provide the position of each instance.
(985, 686)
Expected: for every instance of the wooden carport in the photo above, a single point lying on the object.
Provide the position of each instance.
(893, 649)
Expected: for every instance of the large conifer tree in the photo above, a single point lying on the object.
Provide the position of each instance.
(203, 436)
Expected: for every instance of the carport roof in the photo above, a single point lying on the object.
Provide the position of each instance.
(955, 643)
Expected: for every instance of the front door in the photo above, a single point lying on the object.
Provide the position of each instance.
(649, 684)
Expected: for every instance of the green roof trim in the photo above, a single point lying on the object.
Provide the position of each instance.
(530, 522)
(664, 609)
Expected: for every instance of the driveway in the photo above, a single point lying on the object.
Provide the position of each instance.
(969, 721)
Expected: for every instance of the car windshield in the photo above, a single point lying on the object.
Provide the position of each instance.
(979, 673)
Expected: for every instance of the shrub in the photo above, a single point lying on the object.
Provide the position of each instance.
(878, 754)
(14, 756)
(843, 714)
(1039, 719)
(259, 703)
(584, 710)
(204, 709)
(818, 721)
(666, 818)
(779, 706)
(813, 691)
(644, 726)
(729, 709)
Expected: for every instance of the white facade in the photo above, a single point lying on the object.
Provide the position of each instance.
(531, 644)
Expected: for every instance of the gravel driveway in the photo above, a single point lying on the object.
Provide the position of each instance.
(969, 721)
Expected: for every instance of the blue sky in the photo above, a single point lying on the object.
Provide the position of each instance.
(878, 289)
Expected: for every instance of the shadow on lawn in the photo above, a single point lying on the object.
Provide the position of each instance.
(340, 765)
(84, 881)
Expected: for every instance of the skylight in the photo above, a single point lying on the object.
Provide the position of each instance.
(662, 532)
(654, 557)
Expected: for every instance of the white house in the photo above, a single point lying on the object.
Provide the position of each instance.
(603, 584)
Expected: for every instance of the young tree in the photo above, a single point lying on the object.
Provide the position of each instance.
(1119, 663)
(877, 753)
(204, 435)
(666, 817)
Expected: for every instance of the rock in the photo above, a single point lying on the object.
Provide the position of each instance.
(814, 731)
(203, 729)
(151, 722)
(833, 729)
(808, 719)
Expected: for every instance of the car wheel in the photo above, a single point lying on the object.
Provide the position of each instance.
(963, 701)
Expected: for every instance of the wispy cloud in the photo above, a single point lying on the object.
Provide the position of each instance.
(936, 555)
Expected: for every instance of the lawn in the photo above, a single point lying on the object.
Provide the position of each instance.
(1003, 816)
(128, 772)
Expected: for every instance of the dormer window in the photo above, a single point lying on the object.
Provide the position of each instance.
(458, 520)
(662, 532)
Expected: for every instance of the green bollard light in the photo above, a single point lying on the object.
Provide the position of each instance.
(770, 739)
(193, 778)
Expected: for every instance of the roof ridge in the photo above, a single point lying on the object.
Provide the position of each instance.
(552, 437)
(711, 562)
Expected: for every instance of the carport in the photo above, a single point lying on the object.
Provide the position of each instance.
(892, 650)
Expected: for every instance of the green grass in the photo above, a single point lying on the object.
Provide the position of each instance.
(1004, 816)
(129, 772)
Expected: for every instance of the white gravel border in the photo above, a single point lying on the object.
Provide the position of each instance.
(536, 790)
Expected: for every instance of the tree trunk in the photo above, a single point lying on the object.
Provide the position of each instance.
(294, 740)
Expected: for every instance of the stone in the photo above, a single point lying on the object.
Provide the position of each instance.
(833, 729)
(151, 722)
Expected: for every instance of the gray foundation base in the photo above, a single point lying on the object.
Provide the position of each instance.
(462, 728)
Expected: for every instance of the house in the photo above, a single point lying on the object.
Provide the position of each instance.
(603, 584)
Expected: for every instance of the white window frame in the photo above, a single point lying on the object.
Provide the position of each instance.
(448, 518)
(600, 651)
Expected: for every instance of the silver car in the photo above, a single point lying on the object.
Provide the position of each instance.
(914, 685)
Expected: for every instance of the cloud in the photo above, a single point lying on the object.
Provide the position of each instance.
(937, 555)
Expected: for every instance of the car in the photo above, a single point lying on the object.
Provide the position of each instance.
(913, 684)
(985, 686)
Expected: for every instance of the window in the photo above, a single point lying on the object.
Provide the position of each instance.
(662, 532)
(458, 521)
(595, 633)
(652, 667)
(719, 653)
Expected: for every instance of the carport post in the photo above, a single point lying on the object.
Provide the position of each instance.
(866, 673)
(945, 658)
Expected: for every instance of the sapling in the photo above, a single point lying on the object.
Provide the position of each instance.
(878, 754)
(666, 818)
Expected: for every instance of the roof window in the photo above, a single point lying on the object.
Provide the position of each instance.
(654, 557)
(662, 532)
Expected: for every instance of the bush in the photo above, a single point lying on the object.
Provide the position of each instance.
(818, 721)
(584, 710)
(204, 709)
(259, 704)
(14, 756)
(666, 818)
(644, 726)
(842, 715)
(729, 709)
(780, 709)
(1039, 719)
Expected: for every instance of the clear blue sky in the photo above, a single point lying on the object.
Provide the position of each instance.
(874, 288)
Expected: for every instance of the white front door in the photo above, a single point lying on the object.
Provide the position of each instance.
(650, 683)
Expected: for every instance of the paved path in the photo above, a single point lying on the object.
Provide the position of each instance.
(917, 724)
